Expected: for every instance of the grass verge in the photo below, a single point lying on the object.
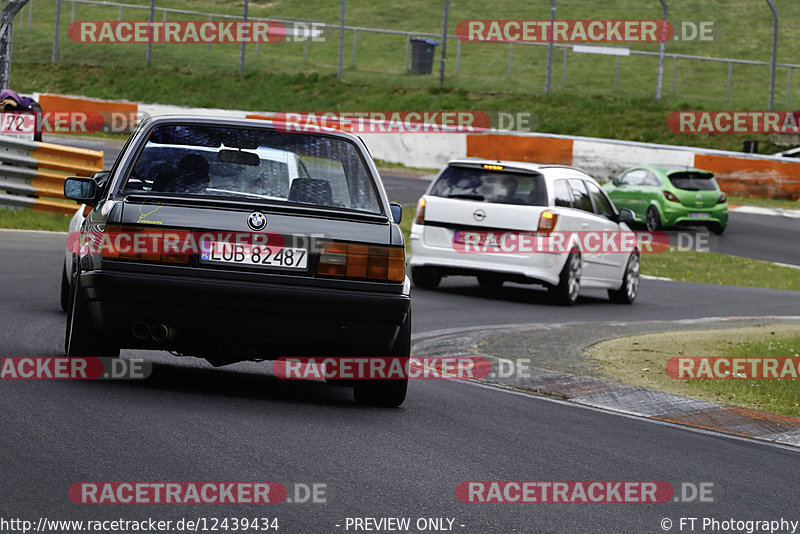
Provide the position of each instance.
(765, 202)
(721, 269)
(26, 219)
(641, 360)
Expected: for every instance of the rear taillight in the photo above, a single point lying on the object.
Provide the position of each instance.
(547, 221)
(362, 261)
(722, 199)
(419, 218)
(669, 196)
(161, 245)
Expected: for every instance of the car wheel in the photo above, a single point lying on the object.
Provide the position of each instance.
(652, 219)
(490, 281)
(64, 288)
(388, 393)
(426, 277)
(569, 284)
(80, 339)
(717, 228)
(629, 289)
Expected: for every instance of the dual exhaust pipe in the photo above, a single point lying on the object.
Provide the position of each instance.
(158, 332)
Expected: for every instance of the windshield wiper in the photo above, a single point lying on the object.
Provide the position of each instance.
(467, 196)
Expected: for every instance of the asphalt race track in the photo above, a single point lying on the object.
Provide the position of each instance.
(190, 422)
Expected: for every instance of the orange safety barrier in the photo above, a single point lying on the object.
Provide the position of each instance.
(520, 148)
(760, 178)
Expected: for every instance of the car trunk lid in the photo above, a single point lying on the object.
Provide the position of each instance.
(695, 189)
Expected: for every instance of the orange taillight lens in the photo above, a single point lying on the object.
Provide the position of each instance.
(419, 218)
(547, 221)
(144, 243)
(362, 261)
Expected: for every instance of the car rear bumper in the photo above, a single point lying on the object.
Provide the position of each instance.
(682, 216)
(212, 315)
(431, 251)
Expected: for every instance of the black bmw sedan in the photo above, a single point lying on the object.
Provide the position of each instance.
(237, 240)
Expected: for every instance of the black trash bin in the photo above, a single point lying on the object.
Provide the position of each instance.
(422, 55)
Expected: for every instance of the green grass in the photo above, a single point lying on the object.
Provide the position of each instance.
(765, 202)
(714, 268)
(33, 220)
(617, 116)
(405, 224)
(277, 77)
(770, 395)
(641, 360)
(381, 164)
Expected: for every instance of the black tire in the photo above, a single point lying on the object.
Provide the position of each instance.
(652, 219)
(426, 277)
(717, 228)
(490, 281)
(64, 288)
(569, 282)
(80, 339)
(629, 289)
(388, 393)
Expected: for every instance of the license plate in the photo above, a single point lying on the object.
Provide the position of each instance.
(458, 237)
(698, 215)
(254, 255)
(17, 125)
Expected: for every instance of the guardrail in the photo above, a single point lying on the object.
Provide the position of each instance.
(32, 173)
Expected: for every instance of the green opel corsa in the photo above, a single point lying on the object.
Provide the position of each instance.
(667, 195)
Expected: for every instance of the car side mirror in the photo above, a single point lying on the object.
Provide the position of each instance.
(615, 181)
(397, 212)
(100, 177)
(81, 189)
(625, 216)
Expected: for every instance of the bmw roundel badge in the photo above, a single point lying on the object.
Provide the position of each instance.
(257, 221)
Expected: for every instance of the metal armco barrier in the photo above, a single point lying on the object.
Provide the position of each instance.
(32, 174)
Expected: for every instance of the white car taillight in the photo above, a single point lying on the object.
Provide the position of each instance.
(420, 216)
(547, 221)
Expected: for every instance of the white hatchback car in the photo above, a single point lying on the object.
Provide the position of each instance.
(527, 223)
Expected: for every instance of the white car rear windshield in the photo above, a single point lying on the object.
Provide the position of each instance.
(250, 163)
(483, 185)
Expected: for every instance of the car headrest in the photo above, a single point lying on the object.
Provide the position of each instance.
(311, 191)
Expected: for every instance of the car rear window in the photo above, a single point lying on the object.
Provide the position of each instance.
(484, 185)
(254, 163)
(693, 181)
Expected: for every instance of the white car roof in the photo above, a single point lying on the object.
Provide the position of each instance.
(541, 168)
